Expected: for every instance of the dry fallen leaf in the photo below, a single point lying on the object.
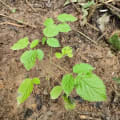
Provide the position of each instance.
(102, 21)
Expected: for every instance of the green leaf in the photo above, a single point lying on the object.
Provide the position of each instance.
(24, 90)
(90, 87)
(40, 54)
(66, 17)
(88, 4)
(68, 83)
(51, 31)
(58, 55)
(55, 92)
(67, 51)
(36, 81)
(53, 42)
(34, 43)
(13, 10)
(48, 21)
(115, 41)
(69, 104)
(21, 44)
(82, 68)
(64, 27)
(44, 40)
(28, 58)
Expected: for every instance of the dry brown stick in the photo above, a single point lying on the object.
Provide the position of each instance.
(18, 21)
(9, 23)
(92, 26)
(109, 1)
(86, 36)
(30, 6)
(74, 6)
(6, 5)
(99, 38)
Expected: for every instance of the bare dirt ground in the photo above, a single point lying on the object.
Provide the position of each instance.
(39, 106)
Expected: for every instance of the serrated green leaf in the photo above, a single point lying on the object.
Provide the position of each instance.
(21, 44)
(36, 81)
(24, 90)
(28, 58)
(48, 21)
(90, 87)
(58, 55)
(55, 92)
(34, 43)
(53, 42)
(67, 51)
(67, 83)
(64, 27)
(115, 41)
(40, 54)
(51, 31)
(82, 68)
(66, 18)
(44, 40)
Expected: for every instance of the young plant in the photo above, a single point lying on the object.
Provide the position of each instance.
(28, 58)
(51, 29)
(66, 51)
(85, 8)
(26, 89)
(87, 85)
(115, 41)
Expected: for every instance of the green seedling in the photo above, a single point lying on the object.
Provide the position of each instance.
(26, 89)
(87, 85)
(28, 58)
(13, 10)
(115, 41)
(51, 29)
(85, 8)
(66, 51)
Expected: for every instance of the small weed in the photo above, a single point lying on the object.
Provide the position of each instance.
(115, 41)
(26, 89)
(28, 58)
(51, 29)
(66, 51)
(87, 85)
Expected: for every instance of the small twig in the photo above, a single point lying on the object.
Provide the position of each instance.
(92, 26)
(86, 36)
(6, 5)
(74, 6)
(18, 21)
(30, 6)
(99, 38)
(9, 23)
(109, 1)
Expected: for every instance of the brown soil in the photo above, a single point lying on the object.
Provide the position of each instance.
(39, 106)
